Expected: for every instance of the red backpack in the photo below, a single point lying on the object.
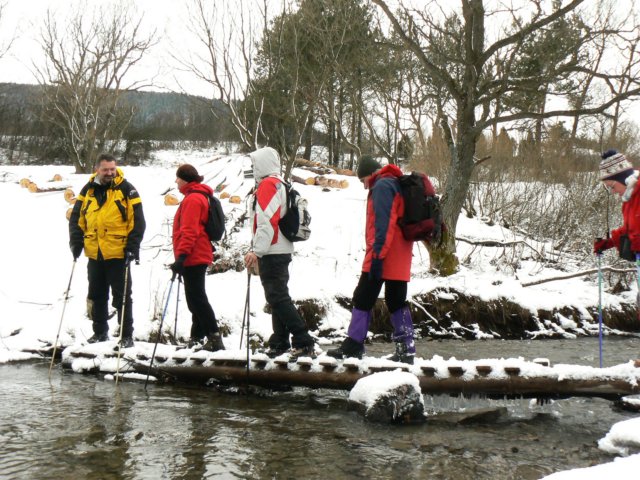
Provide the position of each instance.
(422, 218)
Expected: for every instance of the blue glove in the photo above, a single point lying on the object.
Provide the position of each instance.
(375, 272)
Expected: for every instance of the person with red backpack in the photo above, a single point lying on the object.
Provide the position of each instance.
(193, 253)
(387, 261)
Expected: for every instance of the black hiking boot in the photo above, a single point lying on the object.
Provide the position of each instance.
(127, 342)
(213, 343)
(272, 352)
(348, 348)
(95, 338)
(306, 351)
(195, 342)
(402, 355)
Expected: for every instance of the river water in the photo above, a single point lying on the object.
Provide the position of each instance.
(82, 426)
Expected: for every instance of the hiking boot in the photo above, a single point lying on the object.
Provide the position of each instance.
(127, 342)
(213, 343)
(194, 342)
(402, 354)
(306, 351)
(348, 348)
(272, 352)
(95, 338)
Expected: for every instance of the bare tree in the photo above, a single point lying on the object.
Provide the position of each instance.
(458, 56)
(89, 58)
(5, 45)
(225, 32)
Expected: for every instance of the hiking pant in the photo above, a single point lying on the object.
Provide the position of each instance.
(203, 319)
(367, 291)
(102, 275)
(285, 319)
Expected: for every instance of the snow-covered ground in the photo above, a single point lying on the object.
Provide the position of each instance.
(37, 267)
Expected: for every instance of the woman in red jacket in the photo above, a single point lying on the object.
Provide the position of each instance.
(387, 261)
(193, 253)
(619, 177)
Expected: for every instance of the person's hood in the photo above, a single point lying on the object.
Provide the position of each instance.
(196, 187)
(386, 171)
(265, 161)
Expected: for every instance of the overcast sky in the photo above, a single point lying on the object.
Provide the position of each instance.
(23, 19)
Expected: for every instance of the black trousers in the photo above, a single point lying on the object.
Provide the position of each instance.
(104, 275)
(285, 319)
(203, 319)
(367, 291)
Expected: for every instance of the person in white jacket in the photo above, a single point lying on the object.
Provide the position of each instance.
(271, 252)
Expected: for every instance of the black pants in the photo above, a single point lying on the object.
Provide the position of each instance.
(285, 319)
(367, 291)
(105, 274)
(203, 319)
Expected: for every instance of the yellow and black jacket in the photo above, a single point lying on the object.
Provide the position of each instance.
(107, 219)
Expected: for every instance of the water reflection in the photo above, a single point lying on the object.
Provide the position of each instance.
(86, 427)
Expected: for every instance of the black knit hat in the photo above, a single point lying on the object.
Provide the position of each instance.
(367, 165)
(188, 173)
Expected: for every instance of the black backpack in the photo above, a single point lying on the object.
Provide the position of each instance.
(215, 220)
(422, 218)
(294, 225)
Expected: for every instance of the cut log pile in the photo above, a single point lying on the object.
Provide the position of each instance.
(34, 188)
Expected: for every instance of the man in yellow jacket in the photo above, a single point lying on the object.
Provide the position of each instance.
(107, 221)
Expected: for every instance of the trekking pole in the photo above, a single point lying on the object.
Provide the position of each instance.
(248, 319)
(175, 323)
(245, 313)
(64, 307)
(599, 256)
(164, 312)
(124, 303)
(638, 282)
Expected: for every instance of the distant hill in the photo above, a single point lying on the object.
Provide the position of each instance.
(159, 115)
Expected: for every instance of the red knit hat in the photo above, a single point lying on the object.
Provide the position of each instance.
(188, 173)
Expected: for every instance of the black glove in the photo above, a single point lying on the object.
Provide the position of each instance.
(76, 250)
(375, 273)
(131, 255)
(178, 266)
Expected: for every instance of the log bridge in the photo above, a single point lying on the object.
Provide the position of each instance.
(510, 378)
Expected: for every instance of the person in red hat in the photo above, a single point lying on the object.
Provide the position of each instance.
(193, 253)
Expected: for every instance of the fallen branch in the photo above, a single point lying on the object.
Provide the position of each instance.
(579, 274)
(495, 243)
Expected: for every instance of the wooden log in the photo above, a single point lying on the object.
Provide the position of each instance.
(24, 182)
(69, 196)
(496, 387)
(297, 179)
(235, 199)
(321, 181)
(171, 200)
(310, 181)
(56, 178)
(224, 195)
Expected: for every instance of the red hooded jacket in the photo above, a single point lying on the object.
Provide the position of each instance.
(189, 235)
(630, 220)
(385, 205)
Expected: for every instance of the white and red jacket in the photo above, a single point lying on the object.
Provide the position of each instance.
(268, 205)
